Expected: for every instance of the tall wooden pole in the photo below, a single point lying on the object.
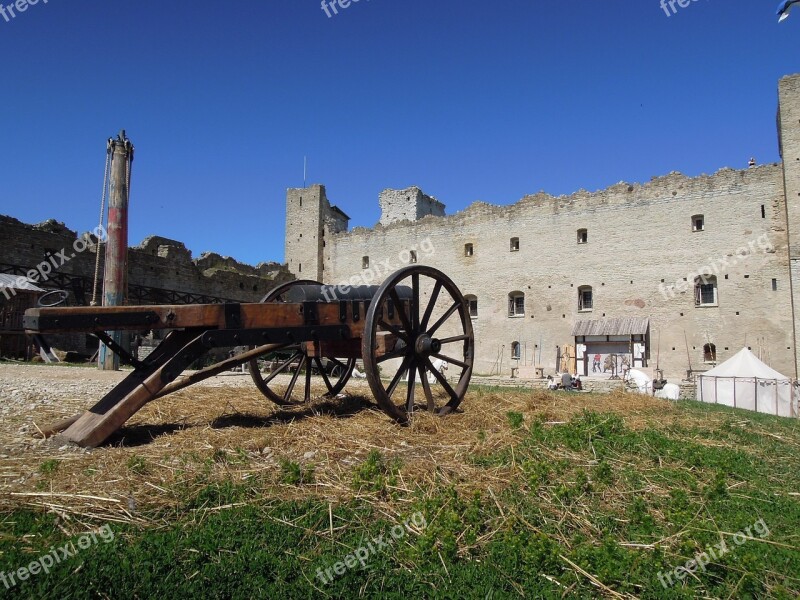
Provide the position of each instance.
(115, 278)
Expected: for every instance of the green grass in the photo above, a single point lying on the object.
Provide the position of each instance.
(49, 466)
(590, 496)
(293, 473)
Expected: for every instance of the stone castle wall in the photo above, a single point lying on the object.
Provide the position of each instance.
(640, 241)
(157, 262)
(789, 128)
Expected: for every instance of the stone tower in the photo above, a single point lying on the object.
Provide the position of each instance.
(789, 145)
(309, 218)
(410, 204)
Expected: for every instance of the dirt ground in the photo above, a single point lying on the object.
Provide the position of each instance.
(224, 430)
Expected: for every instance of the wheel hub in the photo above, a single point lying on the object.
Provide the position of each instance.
(426, 345)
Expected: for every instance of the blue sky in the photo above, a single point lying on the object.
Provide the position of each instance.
(468, 100)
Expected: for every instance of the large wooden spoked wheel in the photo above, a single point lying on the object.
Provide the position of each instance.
(435, 326)
(296, 362)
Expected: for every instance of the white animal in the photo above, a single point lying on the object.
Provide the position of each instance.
(644, 385)
(441, 366)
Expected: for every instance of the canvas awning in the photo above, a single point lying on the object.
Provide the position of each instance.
(600, 327)
(18, 282)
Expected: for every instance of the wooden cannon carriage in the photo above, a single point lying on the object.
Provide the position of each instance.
(417, 316)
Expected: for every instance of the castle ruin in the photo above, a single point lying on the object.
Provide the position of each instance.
(678, 272)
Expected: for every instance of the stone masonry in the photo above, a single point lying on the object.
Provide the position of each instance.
(409, 204)
(156, 263)
(637, 247)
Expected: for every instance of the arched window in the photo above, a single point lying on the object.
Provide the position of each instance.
(709, 353)
(472, 303)
(516, 304)
(515, 351)
(585, 300)
(705, 291)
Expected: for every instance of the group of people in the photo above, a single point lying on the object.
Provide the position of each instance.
(567, 382)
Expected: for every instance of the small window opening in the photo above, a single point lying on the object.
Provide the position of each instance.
(705, 291)
(583, 236)
(698, 223)
(468, 250)
(709, 353)
(472, 303)
(585, 298)
(365, 262)
(514, 244)
(516, 304)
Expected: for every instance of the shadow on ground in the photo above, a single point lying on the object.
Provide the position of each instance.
(132, 436)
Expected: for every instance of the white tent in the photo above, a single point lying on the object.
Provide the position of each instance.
(743, 381)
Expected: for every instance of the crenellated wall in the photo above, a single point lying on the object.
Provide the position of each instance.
(645, 245)
(640, 241)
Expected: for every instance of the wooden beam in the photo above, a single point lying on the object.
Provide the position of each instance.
(209, 316)
(98, 423)
(218, 368)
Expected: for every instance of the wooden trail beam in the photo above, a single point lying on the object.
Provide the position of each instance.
(201, 375)
(178, 351)
(218, 368)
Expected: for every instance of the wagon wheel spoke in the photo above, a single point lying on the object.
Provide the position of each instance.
(455, 338)
(283, 366)
(394, 330)
(450, 360)
(415, 302)
(324, 376)
(390, 355)
(397, 376)
(307, 391)
(345, 371)
(288, 393)
(423, 377)
(431, 305)
(400, 310)
(338, 362)
(444, 318)
(441, 379)
(412, 371)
